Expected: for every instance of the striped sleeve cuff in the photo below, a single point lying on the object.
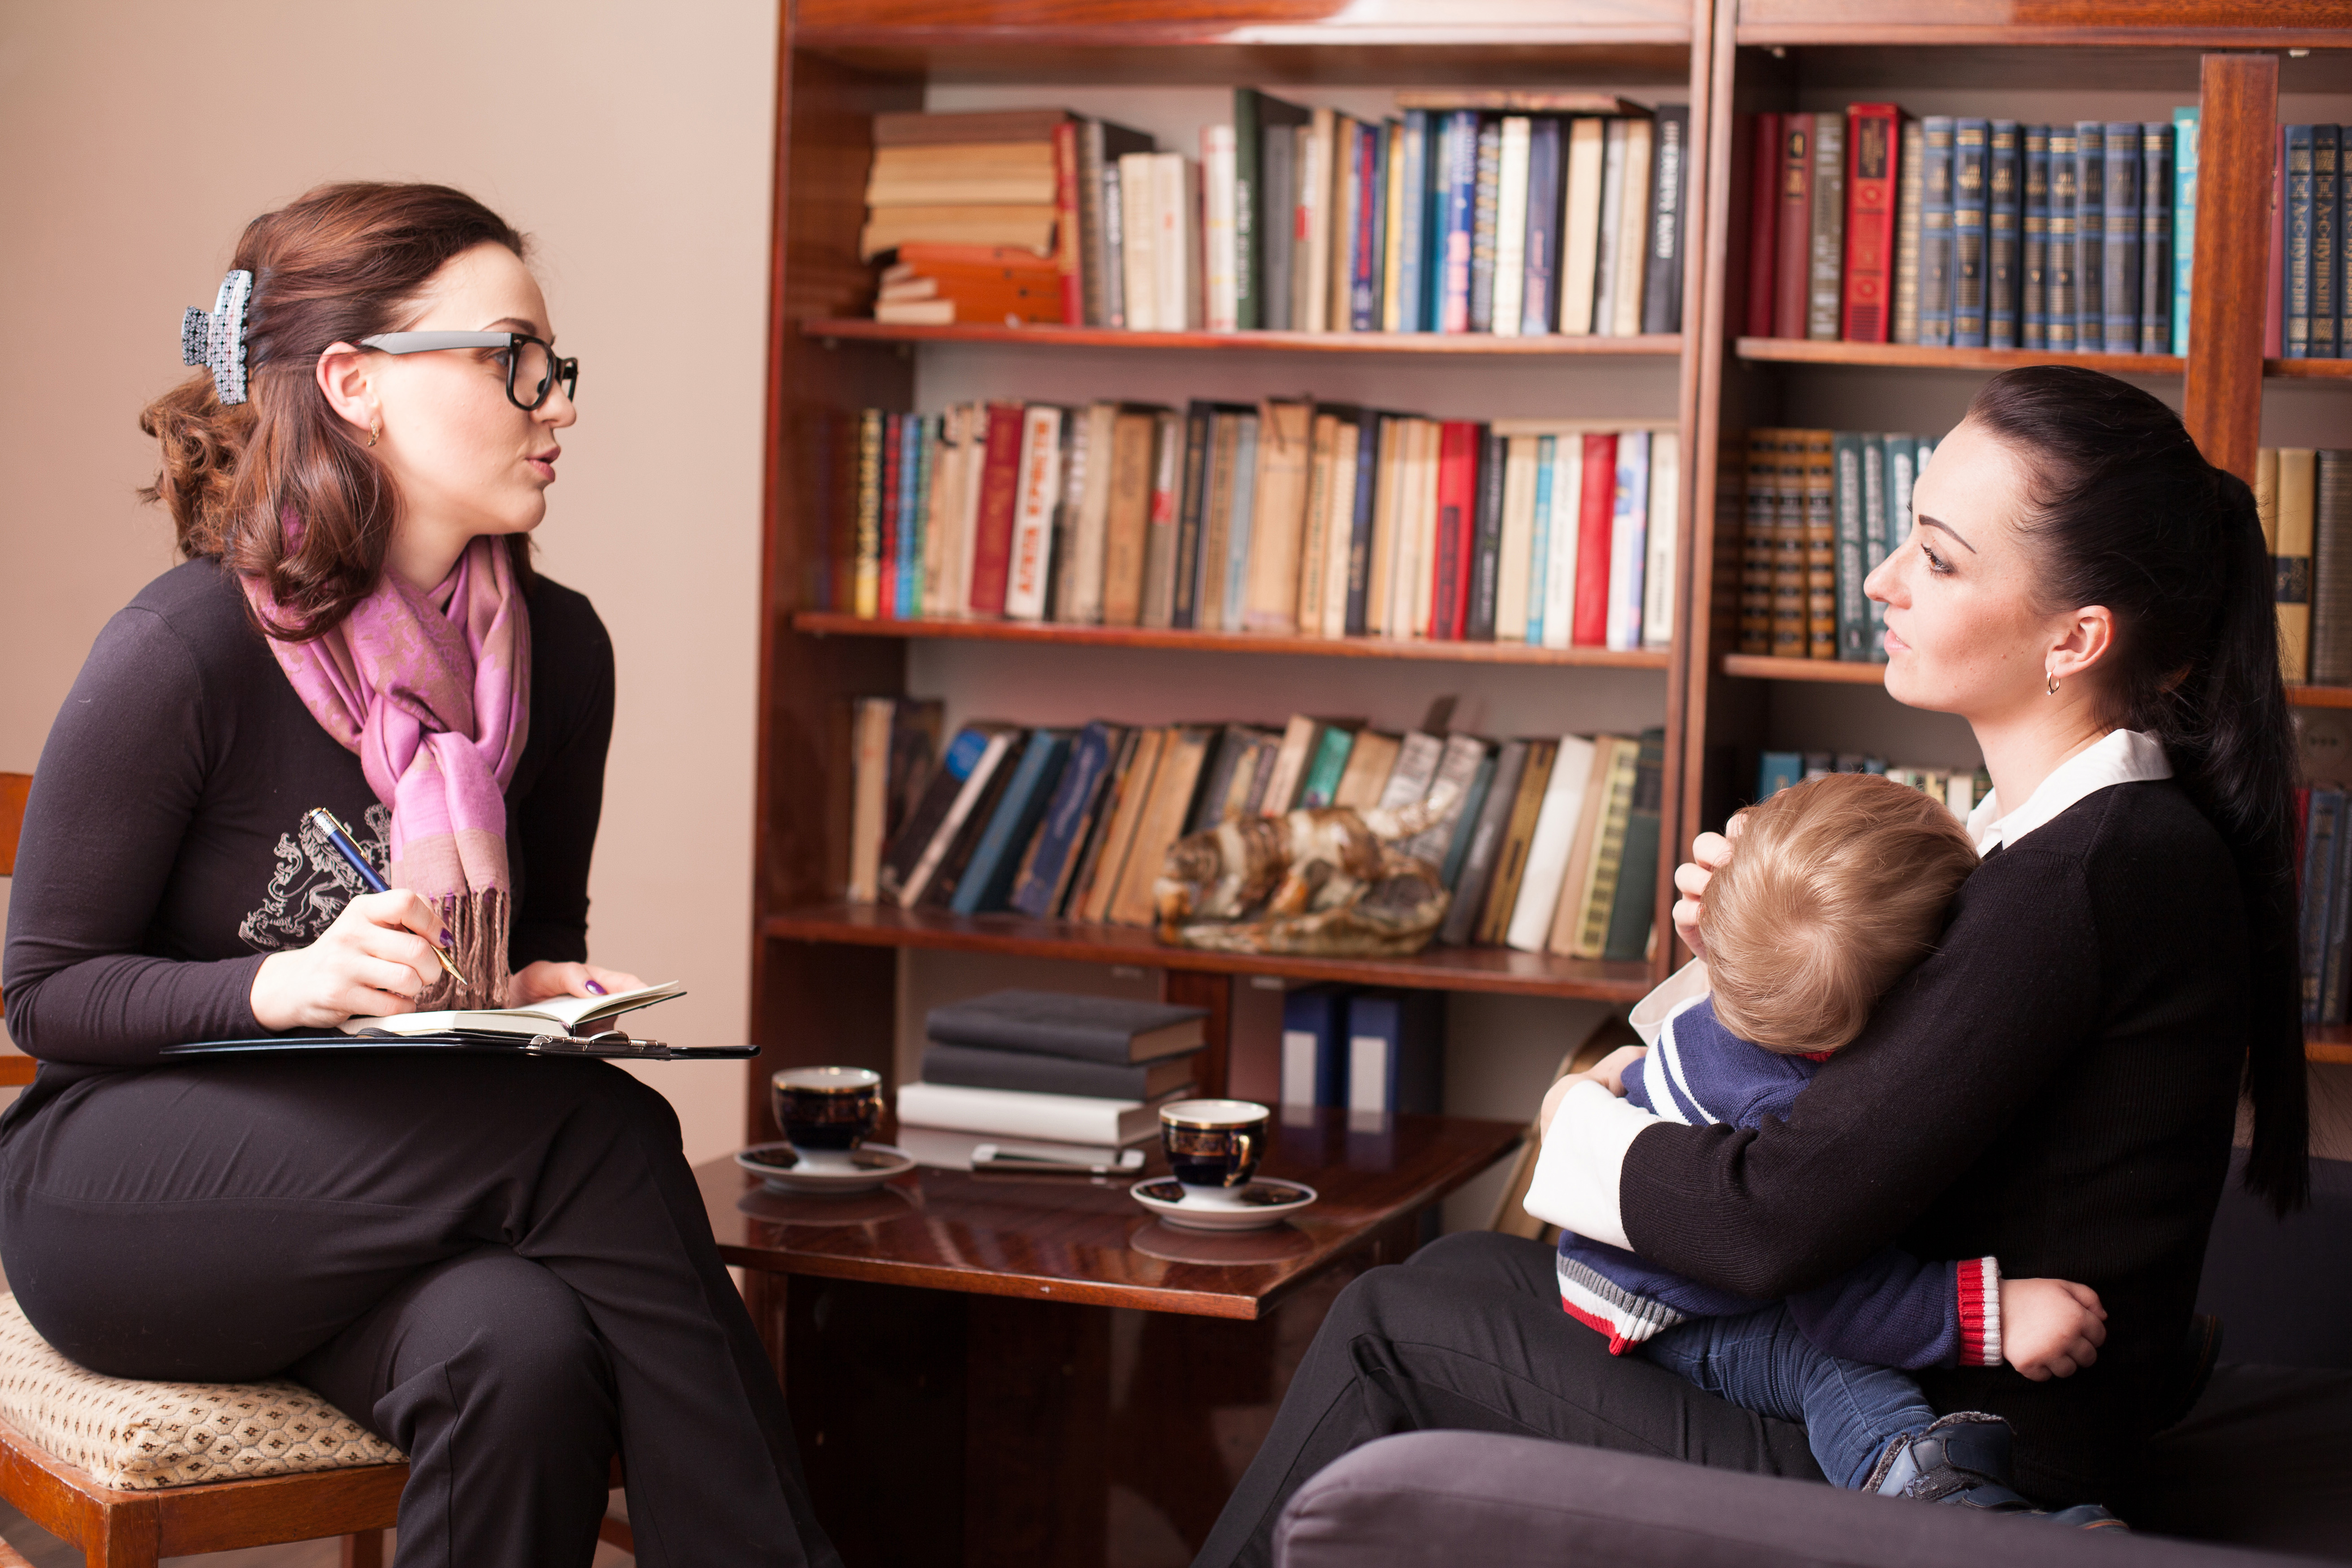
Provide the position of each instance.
(1979, 1302)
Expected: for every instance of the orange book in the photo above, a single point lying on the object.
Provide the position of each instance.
(1873, 137)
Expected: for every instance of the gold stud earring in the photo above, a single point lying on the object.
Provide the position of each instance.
(375, 429)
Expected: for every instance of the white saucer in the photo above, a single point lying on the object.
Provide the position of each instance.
(786, 1170)
(1265, 1202)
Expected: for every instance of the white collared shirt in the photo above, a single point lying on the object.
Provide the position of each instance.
(1583, 1157)
(2123, 756)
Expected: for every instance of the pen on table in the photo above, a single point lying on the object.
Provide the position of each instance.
(333, 832)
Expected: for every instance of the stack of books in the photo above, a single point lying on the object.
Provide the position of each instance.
(2308, 315)
(2306, 500)
(1047, 1074)
(1284, 517)
(1548, 845)
(1870, 226)
(1822, 508)
(1961, 789)
(1512, 212)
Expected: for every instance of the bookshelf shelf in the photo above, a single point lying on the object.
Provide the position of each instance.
(823, 623)
(1497, 969)
(2320, 697)
(2327, 1043)
(2309, 369)
(831, 329)
(1806, 351)
(1764, 667)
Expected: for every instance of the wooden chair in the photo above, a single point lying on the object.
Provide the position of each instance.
(120, 1527)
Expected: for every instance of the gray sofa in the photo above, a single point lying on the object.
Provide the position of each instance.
(2262, 1466)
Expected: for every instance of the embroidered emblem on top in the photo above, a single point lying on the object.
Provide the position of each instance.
(312, 884)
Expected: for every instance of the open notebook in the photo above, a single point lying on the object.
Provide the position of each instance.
(566, 1015)
(563, 1026)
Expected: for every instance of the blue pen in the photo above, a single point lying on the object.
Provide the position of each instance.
(332, 831)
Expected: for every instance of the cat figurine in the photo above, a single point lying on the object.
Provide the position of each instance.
(1321, 881)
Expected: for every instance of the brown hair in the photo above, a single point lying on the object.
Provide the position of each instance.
(343, 262)
(1834, 888)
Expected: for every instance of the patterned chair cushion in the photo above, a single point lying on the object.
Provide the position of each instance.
(141, 1434)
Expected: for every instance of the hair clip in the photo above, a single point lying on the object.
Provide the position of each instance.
(217, 341)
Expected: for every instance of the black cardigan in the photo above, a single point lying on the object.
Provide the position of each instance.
(2055, 1086)
(162, 862)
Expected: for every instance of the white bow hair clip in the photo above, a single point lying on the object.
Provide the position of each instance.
(216, 341)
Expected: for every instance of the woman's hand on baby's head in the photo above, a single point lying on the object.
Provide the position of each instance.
(2050, 1328)
(1709, 853)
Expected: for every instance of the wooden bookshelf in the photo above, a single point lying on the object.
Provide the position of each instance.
(1764, 667)
(2309, 370)
(1807, 352)
(828, 622)
(1500, 969)
(853, 330)
(2329, 1042)
(2320, 697)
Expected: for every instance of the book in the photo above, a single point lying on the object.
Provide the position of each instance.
(1455, 200)
(557, 1015)
(2119, 255)
(1240, 521)
(2275, 273)
(1127, 514)
(1629, 552)
(1052, 859)
(1872, 173)
(1449, 796)
(1660, 588)
(1759, 479)
(2156, 192)
(2090, 235)
(1662, 288)
(1112, 201)
(1229, 754)
(1264, 206)
(1792, 266)
(1391, 303)
(1028, 228)
(1409, 780)
(1034, 1073)
(1176, 779)
(2327, 242)
(890, 499)
(1626, 282)
(998, 497)
(1220, 255)
(1176, 245)
(1328, 766)
(1482, 592)
(1790, 617)
(1936, 253)
(1777, 770)
(1038, 469)
(2339, 914)
(1486, 840)
(1192, 512)
(2064, 203)
(1879, 538)
(2033, 309)
(1576, 877)
(1515, 550)
(1540, 271)
(910, 844)
(1082, 1028)
(1763, 205)
(1456, 517)
(1314, 1059)
(1100, 879)
(1969, 189)
(1371, 759)
(869, 763)
(1633, 910)
(1139, 240)
(1595, 529)
(1820, 478)
(1055, 1118)
(1069, 254)
(1365, 276)
(1413, 225)
(1101, 146)
(1580, 250)
(1910, 190)
(1609, 248)
(1825, 246)
(1502, 892)
(2298, 253)
(1396, 1042)
(986, 885)
(2184, 220)
(1363, 443)
(1529, 925)
(943, 1149)
(1853, 617)
(1508, 285)
(2298, 497)
(2320, 860)
(2004, 220)
(1608, 866)
(1310, 309)
(1485, 212)
(1301, 738)
(2331, 569)
(912, 127)
(1085, 500)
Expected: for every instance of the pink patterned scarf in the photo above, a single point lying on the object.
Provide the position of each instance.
(433, 691)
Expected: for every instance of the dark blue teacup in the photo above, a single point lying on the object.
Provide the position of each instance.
(1213, 1146)
(826, 1111)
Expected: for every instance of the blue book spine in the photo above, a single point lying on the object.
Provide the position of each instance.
(2004, 221)
(1067, 816)
(2119, 253)
(1314, 1046)
(1969, 187)
(2297, 305)
(2090, 235)
(1412, 221)
(1780, 769)
(1395, 1051)
(2326, 245)
(2184, 221)
(1461, 220)
(2065, 208)
(1370, 169)
(1539, 556)
(1359, 527)
(987, 880)
(1876, 545)
(1936, 231)
(1541, 303)
(2318, 867)
(2155, 238)
(1237, 525)
(2033, 311)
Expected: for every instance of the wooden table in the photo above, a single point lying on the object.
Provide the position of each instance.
(962, 1396)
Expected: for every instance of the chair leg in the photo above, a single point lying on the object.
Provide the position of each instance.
(364, 1550)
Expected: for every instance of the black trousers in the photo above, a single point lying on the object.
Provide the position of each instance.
(1469, 1335)
(502, 1266)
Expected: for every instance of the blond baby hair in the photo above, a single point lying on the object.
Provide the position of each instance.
(1834, 888)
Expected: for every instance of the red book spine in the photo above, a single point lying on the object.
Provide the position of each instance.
(1065, 223)
(1457, 506)
(2274, 317)
(894, 426)
(1763, 203)
(1793, 238)
(1000, 493)
(1596, 512)
(1873, 147)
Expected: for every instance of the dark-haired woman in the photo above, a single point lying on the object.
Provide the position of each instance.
(502, 1266)
(2056, 1087)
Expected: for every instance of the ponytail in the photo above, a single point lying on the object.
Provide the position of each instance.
(2126, 512)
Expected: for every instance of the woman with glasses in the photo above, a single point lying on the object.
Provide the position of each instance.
(500, 1265)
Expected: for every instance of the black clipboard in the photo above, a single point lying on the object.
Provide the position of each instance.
(615, 1045)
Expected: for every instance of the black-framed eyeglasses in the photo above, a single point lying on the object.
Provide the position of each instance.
(532, 368)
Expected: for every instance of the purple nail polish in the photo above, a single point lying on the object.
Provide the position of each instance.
(595, 988)
(448, 937)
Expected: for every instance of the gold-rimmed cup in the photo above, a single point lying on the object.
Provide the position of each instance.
(1213, 1146)
(826, 1113)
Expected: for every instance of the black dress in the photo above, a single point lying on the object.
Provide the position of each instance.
(501, 1266)
(2055, 1086)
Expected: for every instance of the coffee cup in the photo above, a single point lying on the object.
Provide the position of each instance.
(826, 1111)
(1213, 1146)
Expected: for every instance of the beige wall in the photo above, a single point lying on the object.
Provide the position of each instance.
(634, 142)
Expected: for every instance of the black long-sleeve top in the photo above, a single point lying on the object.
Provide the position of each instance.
(2055, 1086)
(163, 856)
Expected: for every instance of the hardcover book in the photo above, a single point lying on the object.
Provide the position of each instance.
(1662, 291)
(1825, 248)
(2119, 255)
(2004, 204)
(2155, 238)
(1873, 149)
(2034, 314)
(1792, 266)
(2064, 200)
(1970, 139)
(2090, 235)
(1936, 231)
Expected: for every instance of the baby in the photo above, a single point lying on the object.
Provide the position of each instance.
(1833, 890)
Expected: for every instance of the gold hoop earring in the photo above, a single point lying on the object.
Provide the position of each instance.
(2054, 683)
(375, 429)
